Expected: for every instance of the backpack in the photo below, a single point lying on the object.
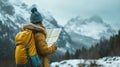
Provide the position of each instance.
(25, 50)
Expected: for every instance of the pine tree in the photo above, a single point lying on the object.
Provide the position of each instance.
(67, 55)
(77, 54)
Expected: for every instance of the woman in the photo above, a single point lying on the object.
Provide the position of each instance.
(40, 37)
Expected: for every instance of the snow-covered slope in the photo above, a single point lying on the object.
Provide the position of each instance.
(102, 62)
(93, 27)
(87, 31)
(11, 18)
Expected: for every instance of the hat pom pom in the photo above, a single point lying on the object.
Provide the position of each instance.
(34, 10)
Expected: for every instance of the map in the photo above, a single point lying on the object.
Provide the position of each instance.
(52, 35)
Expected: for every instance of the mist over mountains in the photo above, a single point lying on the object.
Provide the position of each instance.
(77, 33)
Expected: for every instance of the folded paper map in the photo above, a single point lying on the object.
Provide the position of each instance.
(52, 35)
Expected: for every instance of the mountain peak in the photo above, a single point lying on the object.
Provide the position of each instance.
(96, 18)
(89, 29)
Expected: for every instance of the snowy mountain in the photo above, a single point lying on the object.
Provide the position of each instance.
(15, 13)
(77, 33)
(10, 22)
(102, 62)
(87, 31)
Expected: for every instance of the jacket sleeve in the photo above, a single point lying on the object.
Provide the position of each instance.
(42, 45)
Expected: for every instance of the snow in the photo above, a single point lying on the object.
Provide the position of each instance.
(94, 28)
(61, 49)
(22, 13)
(103, 62)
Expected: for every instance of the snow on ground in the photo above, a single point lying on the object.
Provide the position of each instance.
(102, 62)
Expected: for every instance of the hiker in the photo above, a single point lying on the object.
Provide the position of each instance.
(40, 37)
(40, 34)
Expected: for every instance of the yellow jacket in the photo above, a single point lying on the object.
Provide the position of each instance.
(40, 40)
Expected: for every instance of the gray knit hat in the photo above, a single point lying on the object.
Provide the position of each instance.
(35, 16)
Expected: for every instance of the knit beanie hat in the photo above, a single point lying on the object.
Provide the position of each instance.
(35, 16)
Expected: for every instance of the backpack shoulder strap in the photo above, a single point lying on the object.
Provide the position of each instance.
(27, 49)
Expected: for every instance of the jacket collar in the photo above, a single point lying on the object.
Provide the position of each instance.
(34, 27)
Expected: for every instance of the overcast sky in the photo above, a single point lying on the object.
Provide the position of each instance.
(63, 10)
